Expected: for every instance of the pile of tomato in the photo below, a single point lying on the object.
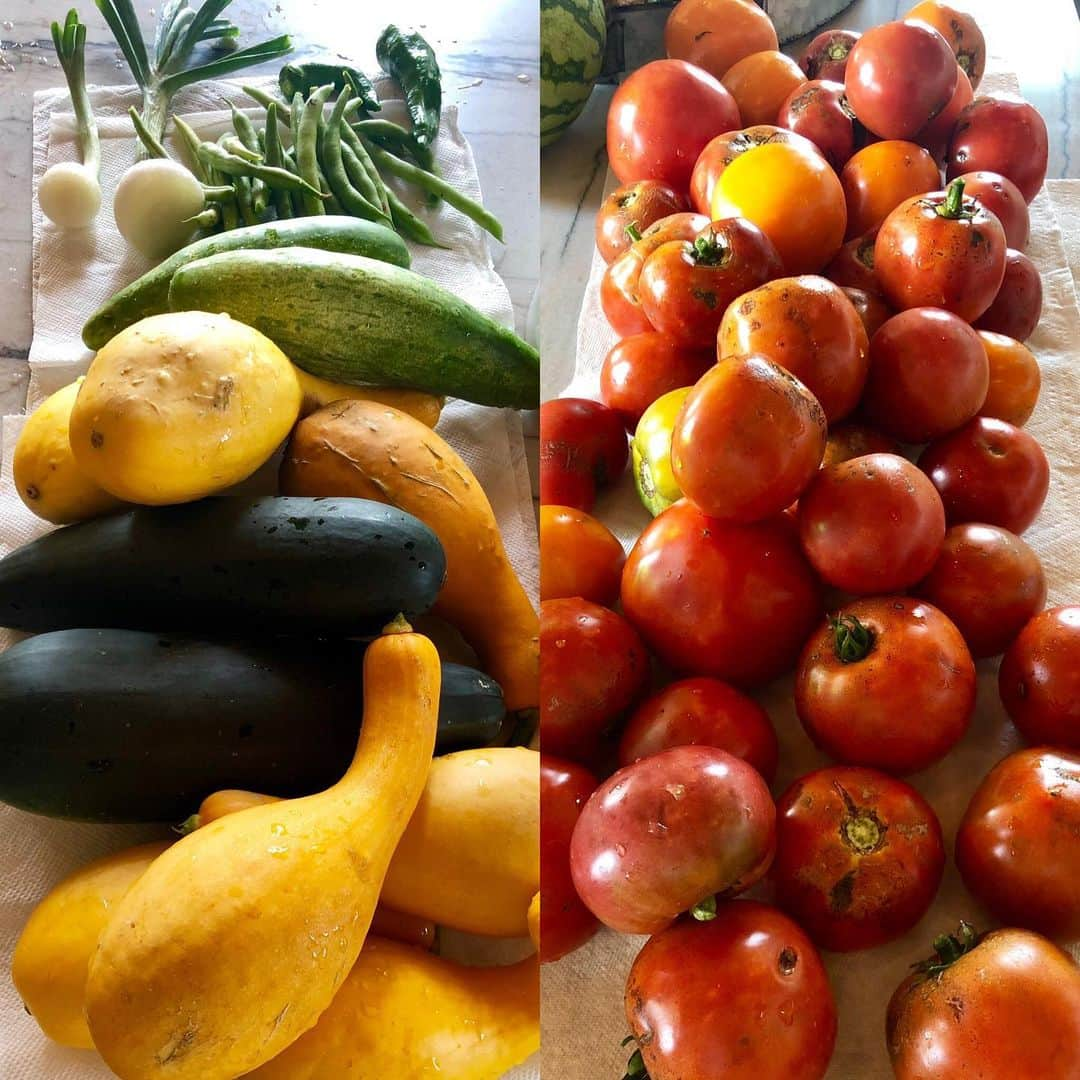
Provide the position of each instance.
(817, 276)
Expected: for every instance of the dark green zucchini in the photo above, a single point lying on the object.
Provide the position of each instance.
(122, 725)
(264, 565)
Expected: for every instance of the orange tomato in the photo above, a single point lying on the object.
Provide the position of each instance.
(960, 30)
(1015, 379)
(578, 556)
(760, 83)
(880, 177)
(793, 196)
(715, 34)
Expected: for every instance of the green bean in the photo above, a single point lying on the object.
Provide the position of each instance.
(262, 97)
(358, 176)
(191, 143)
(244, 200)
(436, 185)
(218, 192)
(244, 128)
(407, 223)
(231, 165)
(153, 147)
(230, 215)
(352, 141)
(235, 146)
(275, 158)
(249, 138)
(306, 140)
(396, 139)
(333, 165)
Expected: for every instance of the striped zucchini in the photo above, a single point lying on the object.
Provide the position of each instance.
(355, 320)
(149, 295)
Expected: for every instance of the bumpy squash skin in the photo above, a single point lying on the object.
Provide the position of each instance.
(53, 952)
(407, 1015)
(180, 406)
(377, 452)
(235, 940)
(318, 393)
(47, 477)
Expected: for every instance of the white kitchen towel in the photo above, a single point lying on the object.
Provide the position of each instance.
(74, 272)
(583, 1017)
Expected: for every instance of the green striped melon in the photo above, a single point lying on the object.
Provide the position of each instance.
(573, 34)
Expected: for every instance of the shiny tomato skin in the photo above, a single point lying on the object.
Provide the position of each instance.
(1003, 199)
(668, 831)
(1015, 379)
(748, 440)
(853, 267)
(1039, 679)
(872, 309)
(644, 367)
(917, 666)
(582, 447)
(859, 857)
(989, 471)
(744, 997)
(1017, 307)
(579, 556)
(960, 30)
(660, 119)
(899, 76)
(871, 525)
(935, 136)
(850, 440)
(715, 34)
(702, 712)
(923, 259)
(760, 83)
(685, 286)
(989, 582)
(1009, 1008)
(638, 204)
(819, 110)
(807, 325)
(1017, 848)
(565, 922)
(881, 176)
(1004, 134)
(593, 666)
(726, 148)
(699, 590)
(826, 56)
(929, 374)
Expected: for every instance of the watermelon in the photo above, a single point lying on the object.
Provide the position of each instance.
(573, 35)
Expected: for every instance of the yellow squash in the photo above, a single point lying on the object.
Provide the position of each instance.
(403, 1014)
(47, 477)
(234, 941)
(372, 451)
(180, 406)
(317, 393)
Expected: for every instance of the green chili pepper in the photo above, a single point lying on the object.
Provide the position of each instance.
(410, 60)
(308, 76)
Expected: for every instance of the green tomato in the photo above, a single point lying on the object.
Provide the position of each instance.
(651, 452)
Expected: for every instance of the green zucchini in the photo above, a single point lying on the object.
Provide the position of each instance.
(263, 565)
(149, 295)
(353, 320)
(121, 725)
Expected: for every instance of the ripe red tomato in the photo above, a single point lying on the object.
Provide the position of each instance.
(872, 310)
(660, 119)
(565, 922)
(579, 556)
(853, 266)
(819, 110)
(826, 56)
(582, 447)
(592, 667)
(1039, 678)
(619, 285)
(999, 1007)
(744, 997)
(748, 440)
(1018, 304)
(859, 856)
(724, 149)
(960, 30)
(686, 286)
(808, 326)
(879, 178)
(847, 441)
(1003, 199)
(699, 590)
(879, 660)
(899, 76)
(941, 250)
(638, 205)
(873, 524)
(714, 34)
(1017, 845)
(701, 712)
(668, 832)
(1015, 379)
(1003, 134)
(760, 83)
(935, 136)
(989, 582)
(928, 375)
(989, 471)
(644, 367)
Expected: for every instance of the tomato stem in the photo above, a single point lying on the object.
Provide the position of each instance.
(633, 231)
(710, 250)
(704, 910)
(948, 948)
(853, 640)
(635, 1067)
(952, 206)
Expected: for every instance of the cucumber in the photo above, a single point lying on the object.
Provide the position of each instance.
(121, 725)
(149, 295)
(354, 320)
(262, 565)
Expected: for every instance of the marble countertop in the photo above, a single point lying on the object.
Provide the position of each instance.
(489, 55)
(1043, 50)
